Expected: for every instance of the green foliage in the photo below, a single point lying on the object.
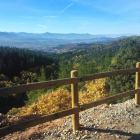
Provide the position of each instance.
(86, 68)
(42, 76)
(51, 71)
(127, 57)
(34, 95)
(82, 68)
(14, 60)
(107, 60)
(65, 67)
(22, 66)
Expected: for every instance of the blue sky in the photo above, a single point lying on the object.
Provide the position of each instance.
(70, 16)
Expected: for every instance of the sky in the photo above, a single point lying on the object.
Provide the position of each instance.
(70, 16)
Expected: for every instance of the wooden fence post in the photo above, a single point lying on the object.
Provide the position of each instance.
(137, 84)
(75, 101)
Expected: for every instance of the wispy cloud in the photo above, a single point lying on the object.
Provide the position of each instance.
(115, 7)
(50, 17)
(42, 26)
(29, 17)
(67, 7)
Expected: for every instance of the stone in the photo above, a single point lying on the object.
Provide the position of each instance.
(85, 136)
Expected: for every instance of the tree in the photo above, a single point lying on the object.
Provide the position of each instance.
(65, 67)
(82, 69)
(127, 57)
(42, 76)
(107, 60)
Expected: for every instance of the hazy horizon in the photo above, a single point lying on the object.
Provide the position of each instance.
(67, 33)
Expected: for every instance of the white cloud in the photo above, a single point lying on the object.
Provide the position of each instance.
(29, 17)
(42, 26)
(67, 7)
(116, 7)
(50, 17)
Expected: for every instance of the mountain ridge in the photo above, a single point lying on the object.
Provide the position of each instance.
(29, 40)
(48, 40)
(67, 35)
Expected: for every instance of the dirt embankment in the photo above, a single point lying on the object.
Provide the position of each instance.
(114, 122)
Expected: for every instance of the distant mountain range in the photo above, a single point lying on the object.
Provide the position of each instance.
(71, 36)
(29, 40)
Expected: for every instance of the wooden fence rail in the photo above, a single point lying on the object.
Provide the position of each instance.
(76, 108)
(54, 83)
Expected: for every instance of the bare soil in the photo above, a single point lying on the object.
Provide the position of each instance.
(106, 122)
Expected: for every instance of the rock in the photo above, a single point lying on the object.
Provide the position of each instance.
(9, 116)
(1, 115)
(78, 138)
(84, 137)
(137, 106)
(117, 136)
(95, 132)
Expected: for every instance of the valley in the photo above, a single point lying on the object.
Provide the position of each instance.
(23, 66)
(88, 58)
(54, 42)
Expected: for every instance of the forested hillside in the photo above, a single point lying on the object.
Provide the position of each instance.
(99, 57)
(14, 60)
(24, 66)
(121, 54)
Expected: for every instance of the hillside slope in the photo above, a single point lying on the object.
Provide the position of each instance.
(113, 47)
(92, 50)
(14, 60)
(113, 122)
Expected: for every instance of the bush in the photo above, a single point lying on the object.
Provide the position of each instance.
(49, 103)
(95, 91)
(13, 111)
(61, 99)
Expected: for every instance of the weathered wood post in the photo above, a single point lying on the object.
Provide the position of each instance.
(75, 101)
(137, 84)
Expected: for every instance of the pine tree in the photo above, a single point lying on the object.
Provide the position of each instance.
(65, 67)
(42, 75)
(127, 57)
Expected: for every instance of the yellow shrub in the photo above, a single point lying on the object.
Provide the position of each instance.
(113, 61)
(13, 111)
(75, 66)
(61, 99)
(54, 102)
(30, 109)
(49, 103)
(95, 91)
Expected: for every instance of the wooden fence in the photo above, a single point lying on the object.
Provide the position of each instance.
(76, 108)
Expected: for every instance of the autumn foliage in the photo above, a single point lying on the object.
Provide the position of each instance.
(49, 103)
(61, 99)
(95, 91)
